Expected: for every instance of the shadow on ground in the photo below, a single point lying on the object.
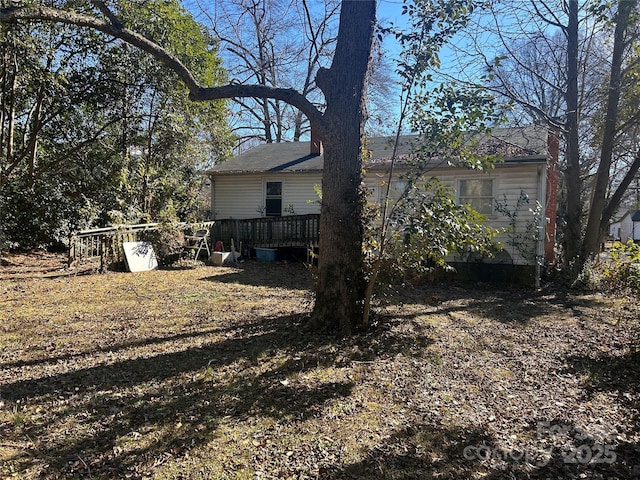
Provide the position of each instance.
(266, 274)
(120, 419)
(515, 306)
(427, 451)
(127, 415)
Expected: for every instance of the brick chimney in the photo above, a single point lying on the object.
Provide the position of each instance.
(551, 205)
(316, 143)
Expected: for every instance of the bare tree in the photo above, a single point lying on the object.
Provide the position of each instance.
(283, 44)
(549, 59)
(271, 43)
(625, 34)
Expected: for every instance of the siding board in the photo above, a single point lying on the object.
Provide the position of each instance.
(242, 196)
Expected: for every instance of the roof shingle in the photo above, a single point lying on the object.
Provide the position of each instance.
(515, 144)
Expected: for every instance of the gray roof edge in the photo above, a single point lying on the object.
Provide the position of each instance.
(290, 156)
(224, 173)
(634, 214)
(541, 159)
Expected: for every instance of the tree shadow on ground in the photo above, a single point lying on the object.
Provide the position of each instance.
(418, 452)
(178, 394)
(609, 372)
(114, 348)
(266, 274)
(613, 368)
(516, 306)
(120, 419)
(575, 452)
(615, 373)
(38, 264)
(428, 451)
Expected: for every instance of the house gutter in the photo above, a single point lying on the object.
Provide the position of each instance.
(262, 172)
(213, 196)
(542, 228)
(551, 196)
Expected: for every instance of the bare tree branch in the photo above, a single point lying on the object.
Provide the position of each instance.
(196, 91)
(554, 20)
(287, 95)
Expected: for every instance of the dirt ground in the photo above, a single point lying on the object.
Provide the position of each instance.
(40, 264)
(213, 373)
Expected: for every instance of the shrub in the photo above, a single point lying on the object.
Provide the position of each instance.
(587, 279)
(623, 271)
(167, 243)
(168, 239)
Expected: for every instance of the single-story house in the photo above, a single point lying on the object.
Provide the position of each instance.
(281, 179)
(626, 227)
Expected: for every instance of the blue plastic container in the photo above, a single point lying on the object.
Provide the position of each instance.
(266, 254)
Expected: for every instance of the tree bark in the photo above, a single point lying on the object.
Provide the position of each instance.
(573, 180)
(341, 282)
(594, 231)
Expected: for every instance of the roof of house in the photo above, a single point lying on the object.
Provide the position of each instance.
(517, 145)
(634, 214)
(273, 157)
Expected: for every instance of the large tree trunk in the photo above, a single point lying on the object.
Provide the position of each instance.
(341, 283)
(594, 231)
(573, 180)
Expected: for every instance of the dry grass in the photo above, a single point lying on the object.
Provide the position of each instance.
(212, 373)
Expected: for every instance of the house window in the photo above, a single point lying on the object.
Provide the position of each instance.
(477, 193)
(373, 194)
(273, 200)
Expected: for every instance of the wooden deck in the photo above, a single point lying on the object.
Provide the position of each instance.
(265, 232)
(106, 243)
(268, 232)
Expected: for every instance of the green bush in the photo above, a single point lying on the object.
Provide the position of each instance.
(623, 271)
(167, 242)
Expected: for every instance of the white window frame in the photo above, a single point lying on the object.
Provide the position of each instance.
(493, 181)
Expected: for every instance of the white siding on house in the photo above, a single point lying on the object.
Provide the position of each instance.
(243, 196)
(513, 182)
(509, 181)
(615, 230)
(238, 196)
(299, 191)
(628, 228)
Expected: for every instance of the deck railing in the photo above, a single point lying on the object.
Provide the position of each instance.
(106, 243)
(269, 232)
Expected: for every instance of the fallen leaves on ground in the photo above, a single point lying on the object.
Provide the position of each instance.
(212, 373)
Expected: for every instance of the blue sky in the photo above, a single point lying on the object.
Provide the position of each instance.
(390, 10)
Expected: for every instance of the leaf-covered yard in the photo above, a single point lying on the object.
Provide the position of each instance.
(211, 373)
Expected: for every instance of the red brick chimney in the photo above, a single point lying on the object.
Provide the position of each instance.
(551, 205)
(316, 143)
